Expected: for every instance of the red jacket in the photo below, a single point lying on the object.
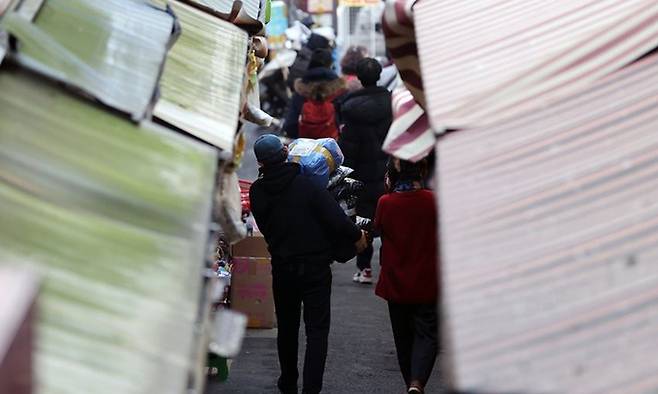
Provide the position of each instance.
(407, 222)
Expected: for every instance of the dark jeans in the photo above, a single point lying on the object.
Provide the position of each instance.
(364, 258)
(415, 331)
(295, 284)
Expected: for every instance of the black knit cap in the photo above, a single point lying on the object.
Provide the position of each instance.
(269, 149)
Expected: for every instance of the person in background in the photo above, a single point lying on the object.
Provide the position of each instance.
(389, 78)
(406, 219)
(319, 88)
(348, 66)
(366, 115)
(300, 222)
(303, 58)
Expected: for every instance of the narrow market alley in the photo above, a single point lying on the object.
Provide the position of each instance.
(361, 350)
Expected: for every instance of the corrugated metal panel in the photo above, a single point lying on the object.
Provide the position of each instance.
(114, 217)
(203, 77)
(249, 8)
(549, 245)
(113, 49)
(484, 61)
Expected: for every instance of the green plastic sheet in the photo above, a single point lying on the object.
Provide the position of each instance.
(114, 216)
(203, 77)
(111, 49)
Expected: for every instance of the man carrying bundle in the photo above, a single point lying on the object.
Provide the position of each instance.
(301, 223)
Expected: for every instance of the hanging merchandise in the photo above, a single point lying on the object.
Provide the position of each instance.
(109, 213)
(252, 111)
(318, 158)
(228, 207)
(202, 79)
(113, 50)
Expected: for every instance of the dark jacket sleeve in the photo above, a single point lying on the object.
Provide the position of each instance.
(349, 145)
(257, 209)
(332, 216)
(291, 122)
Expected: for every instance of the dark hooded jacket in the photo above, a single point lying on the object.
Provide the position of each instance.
(366, 115)
(318, 83)
(300, 221)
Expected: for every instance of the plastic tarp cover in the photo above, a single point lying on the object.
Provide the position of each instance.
(113, 50)
(318, 158)
(114, 217)
(203, 77)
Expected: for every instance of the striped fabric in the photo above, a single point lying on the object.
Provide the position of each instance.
(410, 136)
(398, 28)
(549, 237)
(484, 61)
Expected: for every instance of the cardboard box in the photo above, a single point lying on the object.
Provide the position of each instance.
(251, 291)
(254, 246)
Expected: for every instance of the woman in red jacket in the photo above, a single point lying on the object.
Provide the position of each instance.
(406, 218)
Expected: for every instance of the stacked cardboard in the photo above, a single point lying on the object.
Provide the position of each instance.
(251, 282)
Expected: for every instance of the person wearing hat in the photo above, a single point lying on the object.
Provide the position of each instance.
(300, 222)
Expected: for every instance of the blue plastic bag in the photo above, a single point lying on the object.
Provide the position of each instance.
(318, 158)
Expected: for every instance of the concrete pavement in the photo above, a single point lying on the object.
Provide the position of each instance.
(361, 351)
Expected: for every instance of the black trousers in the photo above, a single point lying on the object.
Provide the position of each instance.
(295, 284)
(415, 331)
(364, 258)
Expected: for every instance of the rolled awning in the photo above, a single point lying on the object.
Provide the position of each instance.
(486, 61)
(483, 62)
(203, 77)
(548, 239)
(410, 136)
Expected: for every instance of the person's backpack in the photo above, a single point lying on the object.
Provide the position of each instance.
(299, 66)
(318, 119)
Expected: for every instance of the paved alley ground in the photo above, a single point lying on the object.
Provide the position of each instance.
(361, 351)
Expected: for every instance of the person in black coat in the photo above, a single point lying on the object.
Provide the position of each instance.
(366, 115)
(301, 223)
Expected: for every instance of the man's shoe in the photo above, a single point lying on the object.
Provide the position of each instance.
(356, 277)
(366, 276)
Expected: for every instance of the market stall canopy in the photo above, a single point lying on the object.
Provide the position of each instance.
(112, 50)
(484, 62)
(246, 13)
(549, 239)
(203, 77)
(110, 214)
(410, 136)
